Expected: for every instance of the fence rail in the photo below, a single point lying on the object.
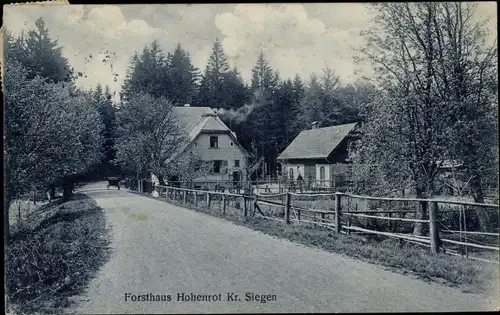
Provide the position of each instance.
(340, 213)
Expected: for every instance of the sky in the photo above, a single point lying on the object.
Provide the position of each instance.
(295, 38)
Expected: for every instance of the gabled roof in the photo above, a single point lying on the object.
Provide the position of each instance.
(196, 120)
(190, 117)
(316, 143)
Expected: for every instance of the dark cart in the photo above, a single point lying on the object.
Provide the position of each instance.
(113, 181)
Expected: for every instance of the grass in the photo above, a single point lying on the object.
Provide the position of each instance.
(399, 256)
(54, 254)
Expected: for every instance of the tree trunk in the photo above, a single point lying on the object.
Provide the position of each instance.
(161, 179)
(478, 195)
(67, 189)
(422, 210)
(52, 192)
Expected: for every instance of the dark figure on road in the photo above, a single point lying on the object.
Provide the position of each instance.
(113, 181)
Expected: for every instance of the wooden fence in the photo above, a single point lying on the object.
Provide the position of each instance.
(341, 210)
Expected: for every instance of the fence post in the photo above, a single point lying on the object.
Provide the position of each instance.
(245, 209)
(287, 208)
(184, 197)
(224, 204)
(208, 200)
(433, 229)
(338, 210)
(195, 198)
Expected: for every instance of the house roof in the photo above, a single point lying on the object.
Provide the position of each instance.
(196, 120)
(190, 117)
(316, 143)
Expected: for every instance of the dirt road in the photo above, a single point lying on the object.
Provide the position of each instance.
(166, 250)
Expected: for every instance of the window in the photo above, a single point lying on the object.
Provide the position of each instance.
(236, 163)
(231, 144)
(291, 173)
(322, 173)
(214, 142)
(217, 167)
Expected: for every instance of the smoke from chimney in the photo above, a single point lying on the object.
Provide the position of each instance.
(239, 115)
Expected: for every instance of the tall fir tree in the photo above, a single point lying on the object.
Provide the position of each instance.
(263, 76)
(147, 73)
(40, 55)
(235, 90)
(211, 91)
(310, 108)
(183, 77)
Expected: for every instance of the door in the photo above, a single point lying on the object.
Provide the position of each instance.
(236, 179)
(309, 174)
(322, 176)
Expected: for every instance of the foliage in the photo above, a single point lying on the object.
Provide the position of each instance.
(147, 73)
(183, 77)
(189, 167)
(40, 55)
(52, 131)
(148, 134)
(431, 88)
(211, 91)
(103, 103)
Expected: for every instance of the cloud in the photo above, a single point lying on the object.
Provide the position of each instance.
(295, 38)
(292, 41)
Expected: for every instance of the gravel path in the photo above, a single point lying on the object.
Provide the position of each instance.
(165, 250)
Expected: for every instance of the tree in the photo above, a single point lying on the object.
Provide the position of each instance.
(147, 73)
(411, 124)
(52, 133)
(235, 92)
(149, 133)
(211, 92)
(468, 73)
(41, 55)
(188, 167)
(183, 77)
(263, 77)
(311, 106)
(102, 100)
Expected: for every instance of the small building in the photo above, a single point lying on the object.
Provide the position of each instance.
(213, 142)
(318, 155)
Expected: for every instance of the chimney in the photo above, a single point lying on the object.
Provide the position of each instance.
(213, 114)
(314, 125)
(186, 105)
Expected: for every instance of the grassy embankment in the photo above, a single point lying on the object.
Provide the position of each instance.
(54, 252)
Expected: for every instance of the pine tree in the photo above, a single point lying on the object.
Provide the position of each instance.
(42, 56)
(262, 75)
(147, 73)
(212, 84)
(235, 91)
(183, 77)
(310, 108)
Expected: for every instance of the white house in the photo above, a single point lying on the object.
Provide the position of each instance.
(319, 155)
(213, 142)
